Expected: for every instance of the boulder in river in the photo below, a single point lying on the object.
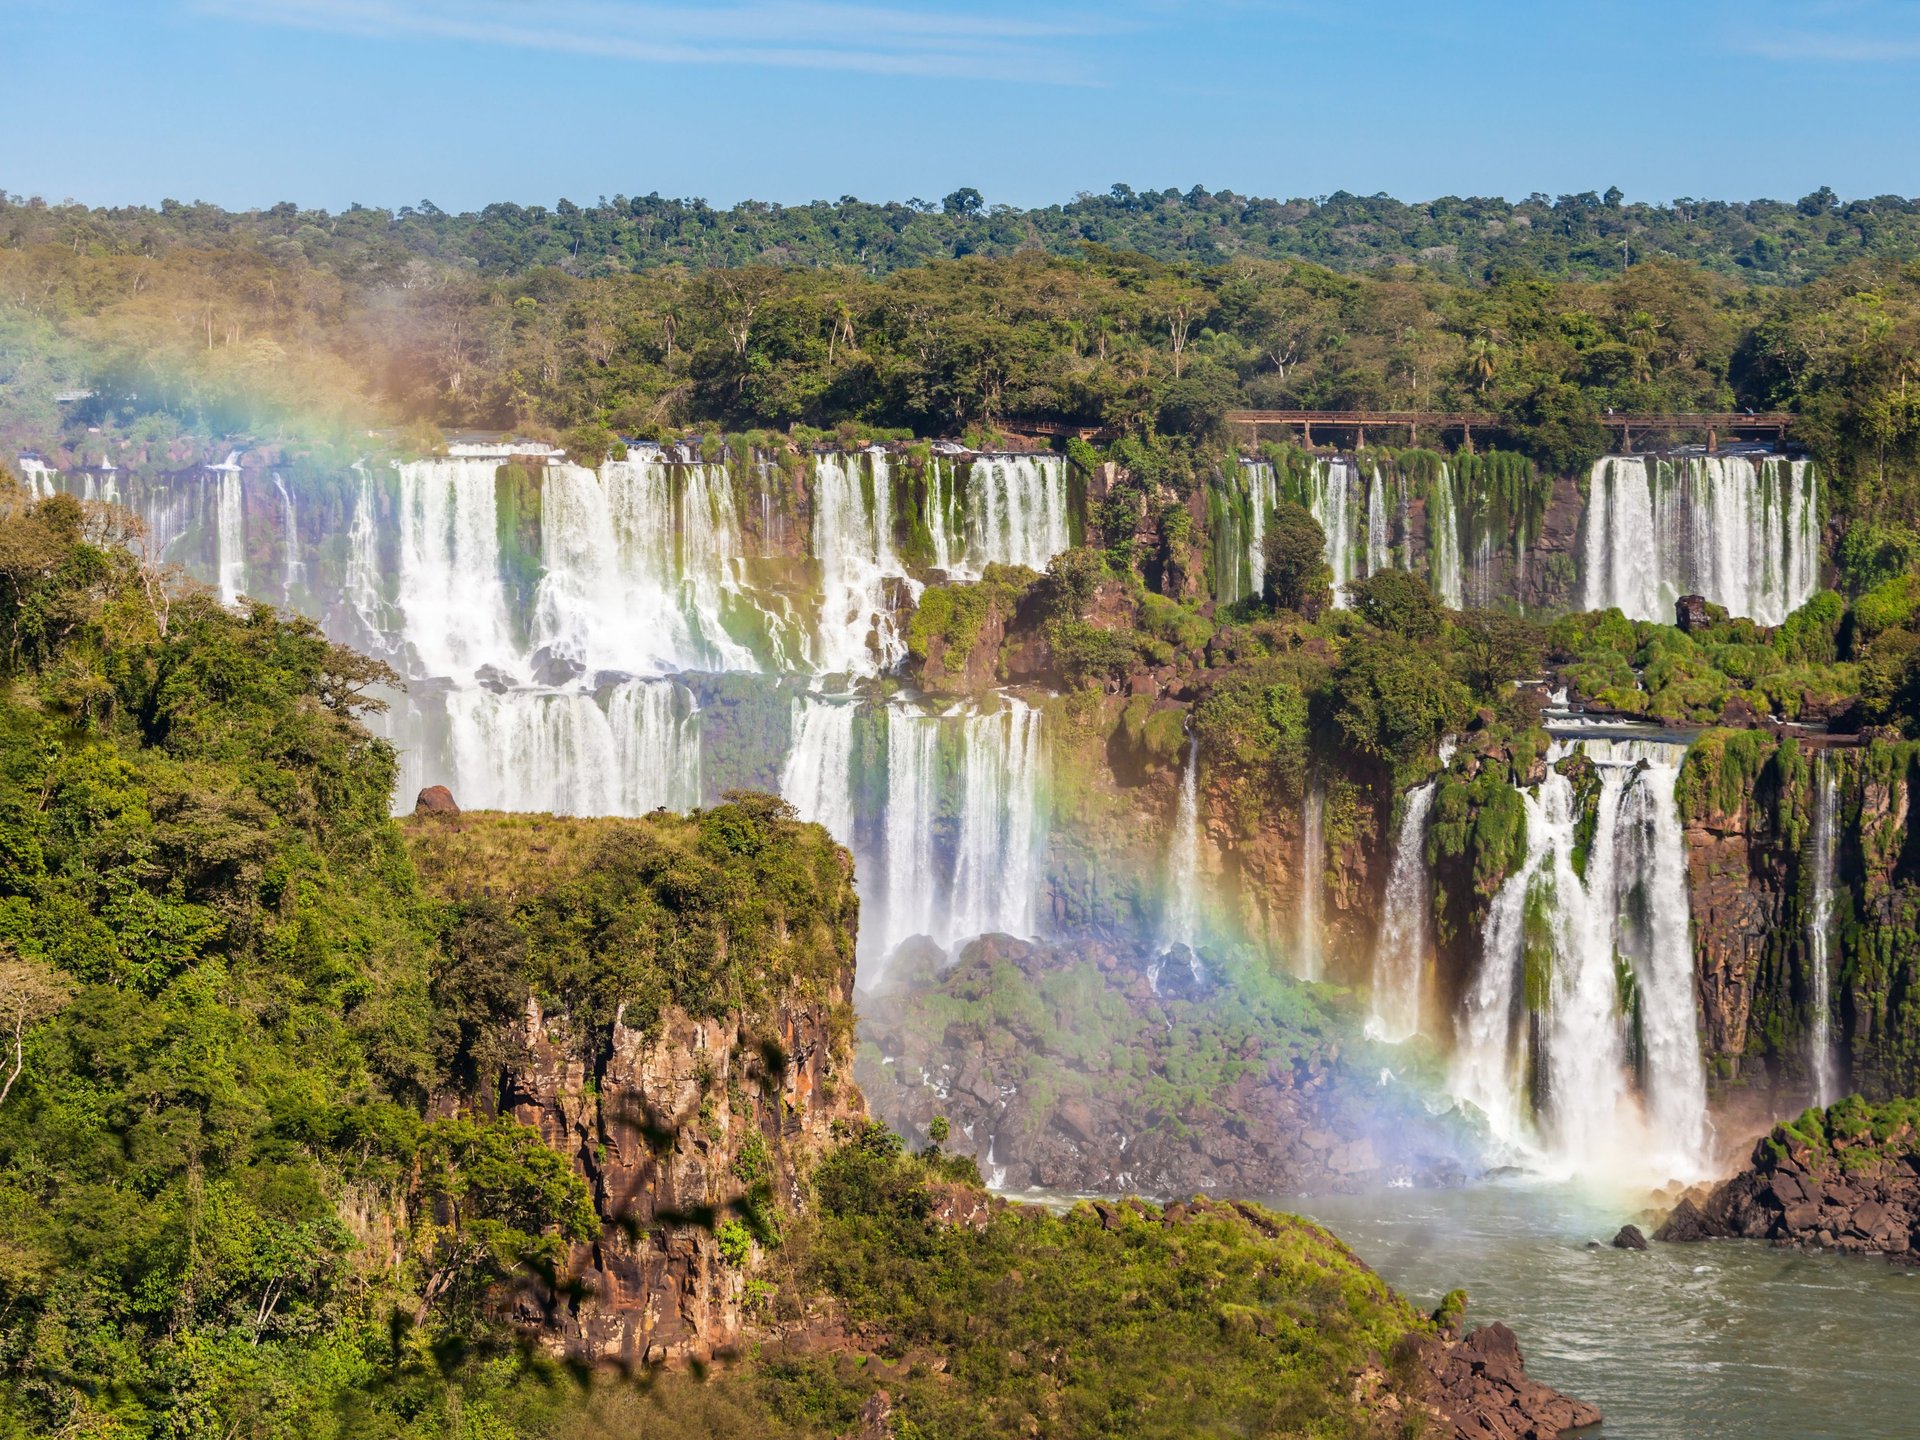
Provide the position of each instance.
(1629, 1238)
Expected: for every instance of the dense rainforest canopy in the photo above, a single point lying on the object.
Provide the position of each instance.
(290, 323)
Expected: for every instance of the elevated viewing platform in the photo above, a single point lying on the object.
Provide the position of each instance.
(1734, 424)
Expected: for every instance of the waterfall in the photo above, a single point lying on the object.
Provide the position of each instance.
(229, 530)
(1262, 494)
(913, 763)
(450, 593)
(1400, 951)
(1584, 1001)
(997, 865)
(638, 564)
(1379, 544)
(1745, 535)
(1181, 923)
(40, 480)
(1308, 962)
(561, 751)
(291, 569)
(1333, 497)
(1825, 842)
(1016, 511)
(364, 591)
(859, 572)
(1444, 559)
(818, 775)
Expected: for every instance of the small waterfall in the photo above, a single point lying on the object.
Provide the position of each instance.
(1400, 952)
(1262, 495)
(913, 771)
(229, 530)
(1016, 511)
(1825, 843)
(1308, 960)
(292, 571)
(364, 591)
(818, 775)
(853, 541)
(561, 751)
(1445, 562)
(41, 482)
(997, 866)
(1334, 498)
(1583, 1004)
(451, 594)
(1743, 534)
(1181, 923)
(1379, 526)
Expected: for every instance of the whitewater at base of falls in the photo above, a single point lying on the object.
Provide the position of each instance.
(1570, 1063)
(1400, 951)
(1745, 535)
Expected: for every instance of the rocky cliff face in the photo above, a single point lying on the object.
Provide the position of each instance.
(1748, 800)
(682, 1033)
(673, 1131)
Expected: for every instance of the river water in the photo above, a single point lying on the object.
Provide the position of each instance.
(1723, 1339)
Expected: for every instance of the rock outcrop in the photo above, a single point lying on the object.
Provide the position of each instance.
(1479, 1388)
(1845, 1179)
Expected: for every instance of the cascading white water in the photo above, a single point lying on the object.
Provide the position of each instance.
(1334, 498)
(363, 588)
(1444, 560)
(638, 562)
(997, 864)
(562, 751)
(1400, 950)
(1308, 962)
(913, 763)
(291, 568)
(41, 481)
(451, 595)
(1016, 510)
(818, 775)
(1600, 956)
(1824, 847)
(1379, 526)
(1181, 923)
(229, 530)
(859, 632)
(1745, 535)
(1262, 495)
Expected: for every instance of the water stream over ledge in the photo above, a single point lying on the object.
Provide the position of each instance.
(1681, 1342)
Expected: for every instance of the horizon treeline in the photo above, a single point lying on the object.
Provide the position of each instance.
(283, 324)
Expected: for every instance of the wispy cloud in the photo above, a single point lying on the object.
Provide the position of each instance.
(791, 34)
(1803, 45)
(1847, 32)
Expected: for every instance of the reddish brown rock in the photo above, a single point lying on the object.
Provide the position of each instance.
(435, 800)
(1480, 1389)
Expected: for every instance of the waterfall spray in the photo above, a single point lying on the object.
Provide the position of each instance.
(1181, 925)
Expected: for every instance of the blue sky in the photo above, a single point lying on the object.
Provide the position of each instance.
(387, 102)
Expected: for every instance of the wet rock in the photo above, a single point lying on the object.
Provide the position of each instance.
(1480, 1387)
(1689, 1223)
(554, 669)
(1630, 1238)
(435, 800)
(492, 678)
(1690, 613)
